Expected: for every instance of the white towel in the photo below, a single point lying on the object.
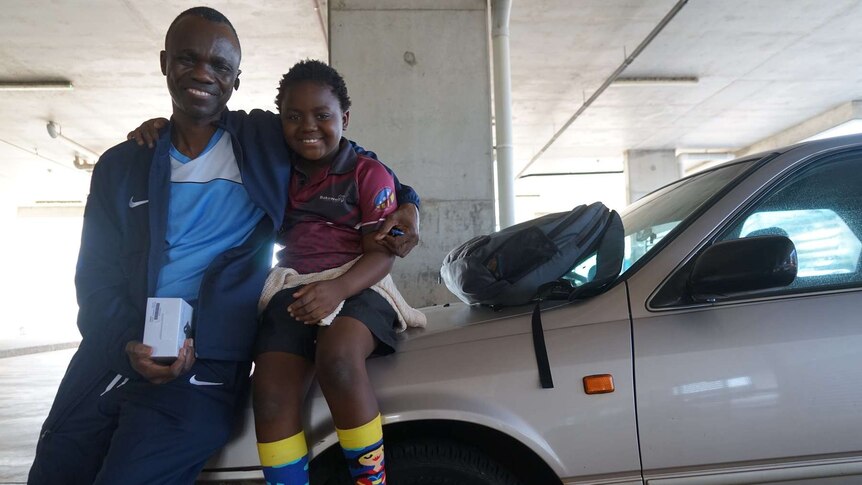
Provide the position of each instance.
(281, 278)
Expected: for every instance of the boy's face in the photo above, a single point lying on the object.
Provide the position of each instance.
(312, 120)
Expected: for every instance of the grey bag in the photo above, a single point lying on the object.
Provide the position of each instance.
(516, 265)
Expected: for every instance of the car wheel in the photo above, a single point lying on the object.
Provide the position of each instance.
(424, 462)
(441, 462)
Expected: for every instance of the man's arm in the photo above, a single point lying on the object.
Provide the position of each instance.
(405, 220)
(404, 193)
(106, 315)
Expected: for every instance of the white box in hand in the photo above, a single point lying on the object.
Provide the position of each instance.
(168, 324)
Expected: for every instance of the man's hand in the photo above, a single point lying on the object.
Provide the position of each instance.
(405, 219)
(148, 132)
(316, 300)
(139, 356)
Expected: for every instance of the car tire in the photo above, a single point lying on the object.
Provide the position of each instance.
(424, 462)
(442, 462)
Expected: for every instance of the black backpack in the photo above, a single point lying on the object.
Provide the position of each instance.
(511, 266)
(527, 262)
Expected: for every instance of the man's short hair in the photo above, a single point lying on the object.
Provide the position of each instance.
(206, 13)
(314, 71)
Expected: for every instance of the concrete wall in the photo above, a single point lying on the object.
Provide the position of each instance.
(647, 170)
(419, 80)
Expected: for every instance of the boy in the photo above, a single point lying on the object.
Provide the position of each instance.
(324, 318)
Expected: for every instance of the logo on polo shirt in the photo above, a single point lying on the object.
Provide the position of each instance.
(384, 198)
(338, 198)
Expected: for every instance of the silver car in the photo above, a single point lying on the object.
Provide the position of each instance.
(713, 359)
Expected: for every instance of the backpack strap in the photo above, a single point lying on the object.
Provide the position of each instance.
(547, 291)
(545, 377)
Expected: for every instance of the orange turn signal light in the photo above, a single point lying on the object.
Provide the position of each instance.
(599, 384)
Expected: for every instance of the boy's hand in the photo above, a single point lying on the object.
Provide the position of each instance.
(316, 300)
(139, 356)
(406, 218)
(148, 132)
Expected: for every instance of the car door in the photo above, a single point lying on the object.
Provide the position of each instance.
(764, 387)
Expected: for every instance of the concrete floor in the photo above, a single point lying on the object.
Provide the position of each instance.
(28, 384)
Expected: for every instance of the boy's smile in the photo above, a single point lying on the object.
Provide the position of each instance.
(312, 121)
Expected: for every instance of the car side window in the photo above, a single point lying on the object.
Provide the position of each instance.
(820, 210)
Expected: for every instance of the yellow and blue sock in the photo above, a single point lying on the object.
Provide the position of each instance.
(363, 449)
(285, 462)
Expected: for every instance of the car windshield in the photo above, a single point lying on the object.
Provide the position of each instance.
(650, 219)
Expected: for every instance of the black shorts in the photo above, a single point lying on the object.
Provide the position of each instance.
(280, 332)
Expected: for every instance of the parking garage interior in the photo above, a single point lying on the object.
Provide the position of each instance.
(605, 100)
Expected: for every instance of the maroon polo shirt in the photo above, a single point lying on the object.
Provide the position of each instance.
(328, 213)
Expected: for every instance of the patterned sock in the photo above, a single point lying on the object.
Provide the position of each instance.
(285, 462)
(363, 448)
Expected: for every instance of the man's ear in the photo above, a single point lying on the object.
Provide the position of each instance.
(345, 119)
(163, 60)
(236, 82)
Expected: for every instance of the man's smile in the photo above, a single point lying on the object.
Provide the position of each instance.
(199, 93)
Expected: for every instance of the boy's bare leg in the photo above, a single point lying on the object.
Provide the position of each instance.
(281, 381)
(340, 361)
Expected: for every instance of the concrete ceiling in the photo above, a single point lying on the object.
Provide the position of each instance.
(762, 67)
(109, 50)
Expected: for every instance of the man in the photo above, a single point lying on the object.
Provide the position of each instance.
(193, 217)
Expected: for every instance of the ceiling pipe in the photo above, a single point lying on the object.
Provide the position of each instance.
(34, 152)
(80, 162)
(318, 10)
(628, 60)
(504, 147)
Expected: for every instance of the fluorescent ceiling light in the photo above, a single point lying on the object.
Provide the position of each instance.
(36, 86)
(655, 81)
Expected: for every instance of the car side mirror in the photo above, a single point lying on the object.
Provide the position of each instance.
(743, 265)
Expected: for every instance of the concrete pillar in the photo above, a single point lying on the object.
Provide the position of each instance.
(419, 79)
(647, 170)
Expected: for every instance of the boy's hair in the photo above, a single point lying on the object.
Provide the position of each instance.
(315, 71)
(206, 13)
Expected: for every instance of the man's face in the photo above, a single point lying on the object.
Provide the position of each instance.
(312, 121)
(201, 64)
